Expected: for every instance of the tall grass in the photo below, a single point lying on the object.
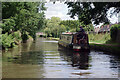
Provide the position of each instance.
(99, 38)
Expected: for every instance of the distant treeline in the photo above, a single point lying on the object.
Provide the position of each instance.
(55, 26)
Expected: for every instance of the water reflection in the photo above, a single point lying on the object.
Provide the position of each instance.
(78, 59)
(44, 59)
(35, 57)
(81, 60)
(92, 64)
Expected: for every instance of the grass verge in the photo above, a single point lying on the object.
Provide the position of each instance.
(51, 38)
(112, 48)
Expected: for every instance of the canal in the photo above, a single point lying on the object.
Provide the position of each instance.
(44, 59)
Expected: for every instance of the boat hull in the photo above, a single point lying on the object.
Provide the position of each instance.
(75, 47)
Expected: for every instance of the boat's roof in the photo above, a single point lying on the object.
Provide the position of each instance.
(68, 33)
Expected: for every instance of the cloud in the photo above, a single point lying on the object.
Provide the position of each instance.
(114, 18)
(57, 10)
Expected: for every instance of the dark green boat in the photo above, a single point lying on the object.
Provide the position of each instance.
(74, 41)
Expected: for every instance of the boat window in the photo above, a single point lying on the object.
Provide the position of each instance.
(68, 38)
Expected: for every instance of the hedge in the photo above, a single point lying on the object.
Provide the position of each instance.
(113, 31)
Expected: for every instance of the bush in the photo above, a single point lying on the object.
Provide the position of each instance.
(10, 40)
(7, 41)
(17, 37)
(114, 31)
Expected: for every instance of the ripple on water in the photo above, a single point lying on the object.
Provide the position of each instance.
(43, 60)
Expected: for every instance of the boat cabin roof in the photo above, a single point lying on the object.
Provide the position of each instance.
(68, 33)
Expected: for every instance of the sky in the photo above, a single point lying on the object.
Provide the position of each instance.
(114, 18)
(57, 10)
(60, 10)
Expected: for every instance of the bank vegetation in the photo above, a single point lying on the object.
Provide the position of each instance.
(20, 21)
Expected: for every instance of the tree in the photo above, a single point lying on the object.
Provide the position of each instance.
(89, 12)
(89, 28)
(24, 17)
(53, 27)
(70, 24)
(8, 25)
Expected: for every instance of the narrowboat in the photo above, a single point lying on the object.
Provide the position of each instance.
(76, 41)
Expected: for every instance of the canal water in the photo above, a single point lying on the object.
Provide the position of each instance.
(44, 59)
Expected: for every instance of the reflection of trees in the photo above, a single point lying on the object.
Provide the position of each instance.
(35, 57)
(27, 46)
(115, 63)
(15, 53)
(24, 65)
(79, 59)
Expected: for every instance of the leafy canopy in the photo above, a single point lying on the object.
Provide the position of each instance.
(89, 12)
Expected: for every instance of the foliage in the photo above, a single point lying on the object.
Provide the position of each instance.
(53, 29)
(55, 26)
(73, 30)
(17, 37)
(73, 25)
(47, 31)
(7, 40)
(113, 31)
(99, 38)
(113, 48)
(88, 12)
(23, 16)
(62, 28)
(70, 23)
(8, 25)
(89, 27)
(21, 20)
